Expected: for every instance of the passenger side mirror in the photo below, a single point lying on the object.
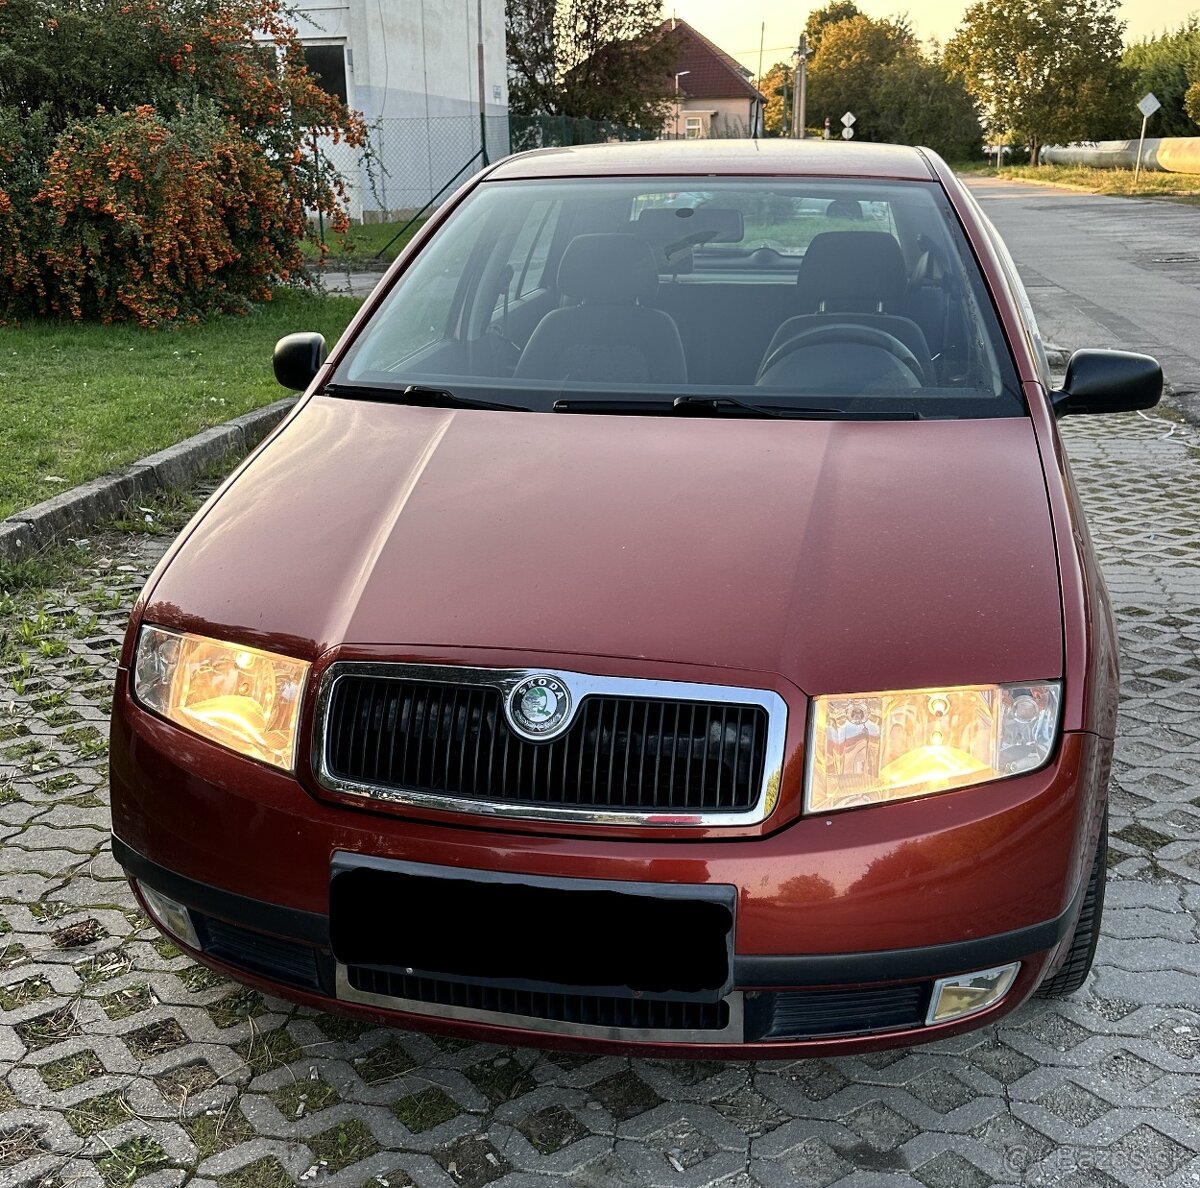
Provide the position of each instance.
(298, 358)
(1108, 381)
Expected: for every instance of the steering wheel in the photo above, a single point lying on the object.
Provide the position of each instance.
(845, 332)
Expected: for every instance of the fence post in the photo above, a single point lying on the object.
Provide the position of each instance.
(320, 212)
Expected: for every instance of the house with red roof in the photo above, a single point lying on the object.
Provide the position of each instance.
(712, 92)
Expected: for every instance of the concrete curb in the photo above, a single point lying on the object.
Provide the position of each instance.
(179, 465)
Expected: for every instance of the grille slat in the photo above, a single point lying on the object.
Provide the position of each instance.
(720, 765)
(596, 748)
(634, 754)
(378, 718)
(588, 1010)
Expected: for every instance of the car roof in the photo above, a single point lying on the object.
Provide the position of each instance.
(775, 157)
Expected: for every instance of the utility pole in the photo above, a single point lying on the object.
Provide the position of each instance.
(798, 110)
(760, 123)
(482, 100)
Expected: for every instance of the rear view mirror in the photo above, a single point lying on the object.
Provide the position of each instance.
(298, 358)
(1109, 381)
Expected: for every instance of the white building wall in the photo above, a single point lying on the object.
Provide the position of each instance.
(413, 71)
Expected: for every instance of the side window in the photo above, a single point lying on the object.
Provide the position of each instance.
(1018, 287)
(532, 275)
(530, 250)
(418, 313)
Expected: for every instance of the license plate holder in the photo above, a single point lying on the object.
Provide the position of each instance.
(530, 932)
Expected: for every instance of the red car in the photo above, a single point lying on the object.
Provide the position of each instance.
(665, 624)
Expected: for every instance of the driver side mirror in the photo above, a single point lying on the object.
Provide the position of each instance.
(1107, 382)
(298, 358)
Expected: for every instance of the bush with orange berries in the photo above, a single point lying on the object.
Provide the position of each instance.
(157, 160)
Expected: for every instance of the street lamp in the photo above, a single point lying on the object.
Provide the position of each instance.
(679, 74)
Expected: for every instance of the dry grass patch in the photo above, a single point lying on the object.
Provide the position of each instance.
(71, 1070)
(19, 1143)
(130, 1001)
(97, 1114)
(305, 1097)
(49, 1029)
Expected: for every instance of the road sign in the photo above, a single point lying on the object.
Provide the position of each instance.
(847, 133)
(1148, 104)
(848, 118)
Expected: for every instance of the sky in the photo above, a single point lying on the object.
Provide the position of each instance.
(735, 26)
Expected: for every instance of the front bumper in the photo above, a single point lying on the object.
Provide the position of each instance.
(783, 1006)
(843, 922)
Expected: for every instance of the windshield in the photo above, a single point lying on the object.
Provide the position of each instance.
(854, 297)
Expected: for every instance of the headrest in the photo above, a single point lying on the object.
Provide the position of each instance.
(667, 223)
(615, 269)
(852, 270)
(844, 208)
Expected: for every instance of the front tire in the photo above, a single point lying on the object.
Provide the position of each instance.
(1082, 948)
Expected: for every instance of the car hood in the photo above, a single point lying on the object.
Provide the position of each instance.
(844, 556)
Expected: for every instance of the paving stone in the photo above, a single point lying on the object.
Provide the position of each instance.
(810, 1164)
(880, 1126)
(1019, 1143)
(940, 1090)
(949, 1170)
(1150, 1152)
(1074, 1104)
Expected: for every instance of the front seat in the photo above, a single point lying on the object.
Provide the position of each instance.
(608, 337)
(857, 277)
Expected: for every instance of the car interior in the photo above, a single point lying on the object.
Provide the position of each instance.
(640, 288)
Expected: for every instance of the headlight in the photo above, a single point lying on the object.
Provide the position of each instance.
(874, 748)
(243, 698)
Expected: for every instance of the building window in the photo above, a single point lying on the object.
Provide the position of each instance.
(693, 127)
(327, 64)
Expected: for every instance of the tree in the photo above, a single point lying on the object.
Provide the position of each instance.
(897, 91)
(921, 104)
(822, 18)
(590, 59)
(532, 64)
(844, 74)
(157, 160)
(1168, 66)
(778, 87)
(1191, 102)
(1042, 70)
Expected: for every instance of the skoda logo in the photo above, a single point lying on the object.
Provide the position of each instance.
(539, 706)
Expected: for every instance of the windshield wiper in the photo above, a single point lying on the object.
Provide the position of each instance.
(419, 396)
(715, 405)
(699, 406)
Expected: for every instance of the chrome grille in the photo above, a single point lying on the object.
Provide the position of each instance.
(393, 732)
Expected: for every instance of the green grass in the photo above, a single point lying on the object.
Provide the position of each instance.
(77, 401)
(132, 1160)
(1184, 187)
(364, 241)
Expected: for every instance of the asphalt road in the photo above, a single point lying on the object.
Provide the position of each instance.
(1107, 272)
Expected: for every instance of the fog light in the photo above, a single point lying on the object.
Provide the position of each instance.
(967, 993)
(171, 916)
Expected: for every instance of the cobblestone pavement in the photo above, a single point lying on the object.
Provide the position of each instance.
(121, 1061)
